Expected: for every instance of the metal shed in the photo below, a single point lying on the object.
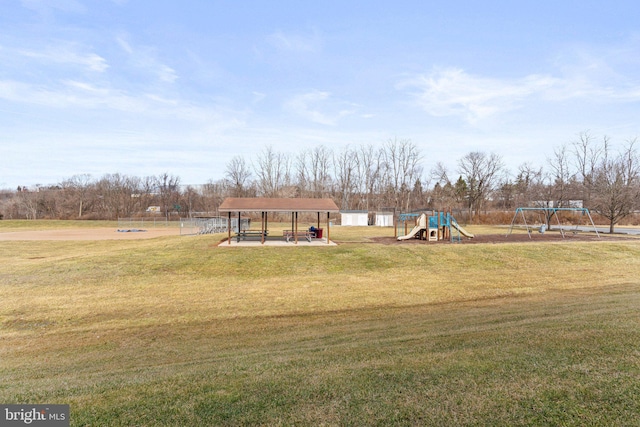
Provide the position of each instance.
(354, 218)
(384, 219)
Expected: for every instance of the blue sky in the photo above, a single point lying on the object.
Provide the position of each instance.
(145, 87)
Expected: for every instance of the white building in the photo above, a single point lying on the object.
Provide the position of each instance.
(354, 218)
(384, 219)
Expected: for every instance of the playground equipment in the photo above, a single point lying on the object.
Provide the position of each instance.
(417, 231)
(548, 214)
(432, 227)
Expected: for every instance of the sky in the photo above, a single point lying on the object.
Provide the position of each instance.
(142, 87)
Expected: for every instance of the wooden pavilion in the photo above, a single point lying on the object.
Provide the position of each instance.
(266, 205)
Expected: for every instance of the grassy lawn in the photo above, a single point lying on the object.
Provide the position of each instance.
(175, 331)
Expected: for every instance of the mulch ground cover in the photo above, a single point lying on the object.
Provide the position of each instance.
(512, 238)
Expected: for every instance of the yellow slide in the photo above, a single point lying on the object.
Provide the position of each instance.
(462, 231)
(421, 225)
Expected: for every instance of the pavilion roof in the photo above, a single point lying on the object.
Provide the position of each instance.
(266, 204)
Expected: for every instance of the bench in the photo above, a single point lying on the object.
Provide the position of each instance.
(244, 234)
(290, 234)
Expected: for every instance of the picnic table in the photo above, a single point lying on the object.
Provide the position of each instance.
(306, 234)
(244, 234)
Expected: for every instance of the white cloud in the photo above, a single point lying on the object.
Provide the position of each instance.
(318, 107)
(90, 61)
(258, 97)
(166, 73)
(145, 58)
(154, 112)
(66, 55)
(452, 91)
(70, 94)
(294, 42)
(604, 73)
(124, 44)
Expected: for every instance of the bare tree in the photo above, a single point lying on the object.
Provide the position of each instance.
(213, 194)
(146, 192)
(302, 174)
(168, 189)
(238, 175)
(344, 165)
(418, 194)
(401, 169)
(528, 184)
(506, 194)
(368, 170)
(558, 184)
(320, 170)
(28, 203)
(78, 187)
(108, 189)
(313, 172)
(560, 179)
(116, 196)
(481, 172)
(617, 186)
(273, 172)
(444, 193)
(587, 156)
(440, 176)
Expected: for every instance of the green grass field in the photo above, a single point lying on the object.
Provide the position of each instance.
(175, 331)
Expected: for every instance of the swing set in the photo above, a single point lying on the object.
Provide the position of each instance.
(548, 214)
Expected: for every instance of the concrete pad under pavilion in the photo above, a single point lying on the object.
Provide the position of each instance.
(280, 242)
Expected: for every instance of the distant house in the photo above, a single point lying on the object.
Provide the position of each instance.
(565, 204)
(354, 218)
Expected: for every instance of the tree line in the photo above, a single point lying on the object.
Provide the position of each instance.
(587, 172)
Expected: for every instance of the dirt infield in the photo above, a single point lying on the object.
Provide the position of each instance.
(89, 234)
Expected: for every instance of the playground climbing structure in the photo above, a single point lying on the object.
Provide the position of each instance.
(431, 226)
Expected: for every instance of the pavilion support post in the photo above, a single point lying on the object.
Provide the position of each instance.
(263, 228)
(328, 229)
(229, 229)
(318, 219)
(295, 231)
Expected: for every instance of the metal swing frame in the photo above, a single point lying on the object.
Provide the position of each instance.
(554, 212)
